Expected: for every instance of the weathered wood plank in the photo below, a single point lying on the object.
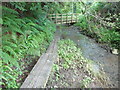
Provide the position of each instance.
(39, 75)
(59, 17)
(65, 22)
(32, 77)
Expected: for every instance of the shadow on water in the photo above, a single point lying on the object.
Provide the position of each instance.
(92, 50)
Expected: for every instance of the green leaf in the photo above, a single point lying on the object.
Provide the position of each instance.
(11, 50)
(1, 21)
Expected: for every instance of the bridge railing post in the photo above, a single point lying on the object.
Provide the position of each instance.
(71, 17)
(66, 18)
(76, 17)
(56, 18)
(61, 19)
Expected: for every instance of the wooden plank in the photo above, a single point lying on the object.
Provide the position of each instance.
(65, 14)
(34, 73)
(65, 20)
(60, 17)
(39, 75)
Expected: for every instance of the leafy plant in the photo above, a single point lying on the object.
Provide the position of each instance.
(101, 21)
(83, 24)
(21, 37)
(85, 82)
(110, 36)
(70, 57)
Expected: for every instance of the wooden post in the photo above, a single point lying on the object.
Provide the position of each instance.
(66, 18)
(76, 17)
(56, 18)
(61, 19)
(71, 17)
(51, 17)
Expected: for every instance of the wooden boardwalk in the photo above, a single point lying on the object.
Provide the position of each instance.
(40, 73)
(64, 18)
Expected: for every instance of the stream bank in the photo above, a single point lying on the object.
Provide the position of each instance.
(92, 50)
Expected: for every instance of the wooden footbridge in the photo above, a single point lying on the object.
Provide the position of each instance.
(40, 73)
(64, 18)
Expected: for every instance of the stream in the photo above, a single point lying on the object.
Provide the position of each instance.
(92, 50)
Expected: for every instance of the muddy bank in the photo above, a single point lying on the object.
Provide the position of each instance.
(92, 50)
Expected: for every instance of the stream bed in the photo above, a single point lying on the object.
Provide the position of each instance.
(92, 50)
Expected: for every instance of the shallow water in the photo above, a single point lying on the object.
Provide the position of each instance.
(92, 50)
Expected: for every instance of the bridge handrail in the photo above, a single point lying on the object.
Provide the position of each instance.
(68, 16)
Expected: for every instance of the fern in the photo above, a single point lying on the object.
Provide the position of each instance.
(1, 21)
(22, 37)
(9, 60)
(34, 30)
(14, 29)
(13, 45)
(10, 50)
(8, 77)
(8, 10)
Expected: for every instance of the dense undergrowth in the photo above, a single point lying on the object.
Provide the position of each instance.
(22, 36)
(27, 32)
(71, 59)
(102, 23)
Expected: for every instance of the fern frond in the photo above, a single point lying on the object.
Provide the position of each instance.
(10, 50)
(15, 29)
(27, 20)
(8, 10)
(20, 22)
(34, 30)
(9, 75)
(1, 21)
(6, 58)
(11, 44)
(8, 21)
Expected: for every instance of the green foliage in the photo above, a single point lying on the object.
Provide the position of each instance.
(70, 57)
(85, 82)
(21, 37)
(82, 22)
(96, 6)
(110, 36)
(56, 70)
(101, 22)
(19, 5)
(68, 51)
